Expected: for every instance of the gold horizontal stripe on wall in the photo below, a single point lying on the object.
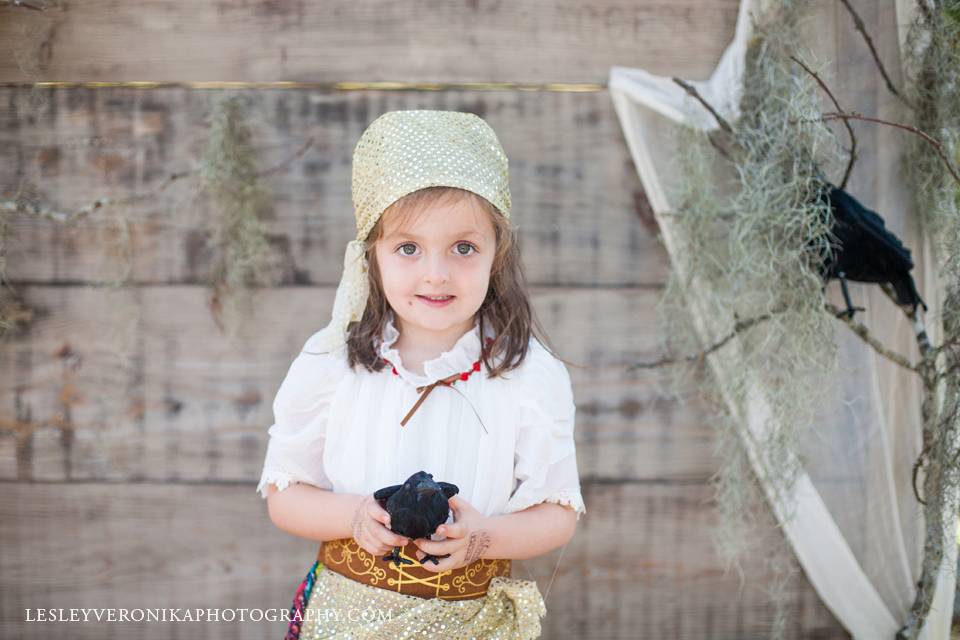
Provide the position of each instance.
(326, 86)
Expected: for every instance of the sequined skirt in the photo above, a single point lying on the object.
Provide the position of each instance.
(330, 605)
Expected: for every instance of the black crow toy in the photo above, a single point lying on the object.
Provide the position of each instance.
(416, 507)
(867, 252)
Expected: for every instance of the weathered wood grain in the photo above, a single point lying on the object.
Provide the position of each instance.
(379, 40)
(139, 383)
(577, 200)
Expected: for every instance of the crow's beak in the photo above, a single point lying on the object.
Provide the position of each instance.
(426, 491)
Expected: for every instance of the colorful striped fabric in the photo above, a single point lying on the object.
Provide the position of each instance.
(299, 607)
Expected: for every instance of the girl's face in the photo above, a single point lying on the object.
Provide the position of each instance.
(446, 250)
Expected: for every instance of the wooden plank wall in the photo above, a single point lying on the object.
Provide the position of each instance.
(132, 431)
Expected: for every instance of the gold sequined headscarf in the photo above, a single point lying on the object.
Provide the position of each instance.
(399, 153)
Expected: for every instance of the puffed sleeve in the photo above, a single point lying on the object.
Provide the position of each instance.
(545, 468)
(300, 409)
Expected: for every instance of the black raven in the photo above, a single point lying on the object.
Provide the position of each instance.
(416, 507)
(865, 251)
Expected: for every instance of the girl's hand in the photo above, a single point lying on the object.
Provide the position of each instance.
(371, 528)
(467, 538)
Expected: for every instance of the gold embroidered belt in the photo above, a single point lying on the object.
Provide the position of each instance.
(349, 559)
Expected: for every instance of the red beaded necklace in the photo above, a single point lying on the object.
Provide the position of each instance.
(425, 390)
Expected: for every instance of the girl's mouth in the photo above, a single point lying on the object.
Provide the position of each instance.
(437, 301)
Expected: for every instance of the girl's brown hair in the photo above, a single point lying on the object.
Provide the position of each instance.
(506, 306)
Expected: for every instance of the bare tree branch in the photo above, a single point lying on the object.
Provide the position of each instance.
(858, 24)
(846, 123)
(742, 325)
(283, 165)
(936, 143)
(916, 469)
(25, 5)
(24, 205)
(692, 91)
(739, 326)
(864, 334)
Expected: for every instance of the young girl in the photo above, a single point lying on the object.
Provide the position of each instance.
(429, 363)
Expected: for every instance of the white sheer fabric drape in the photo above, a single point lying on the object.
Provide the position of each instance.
(857, 530)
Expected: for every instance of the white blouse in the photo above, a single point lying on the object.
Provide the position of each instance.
(338, 428)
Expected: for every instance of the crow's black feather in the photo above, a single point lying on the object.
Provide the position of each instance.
(864, 251)
(416, 507)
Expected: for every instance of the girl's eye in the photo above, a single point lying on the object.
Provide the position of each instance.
(470, 249)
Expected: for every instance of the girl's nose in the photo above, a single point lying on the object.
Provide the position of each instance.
(437, 270)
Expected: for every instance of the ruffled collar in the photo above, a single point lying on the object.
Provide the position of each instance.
(459, 358)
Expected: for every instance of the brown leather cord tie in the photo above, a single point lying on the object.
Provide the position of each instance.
(424, 391)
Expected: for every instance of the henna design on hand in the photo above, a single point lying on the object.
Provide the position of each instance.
(479, 542)
(357, 525)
